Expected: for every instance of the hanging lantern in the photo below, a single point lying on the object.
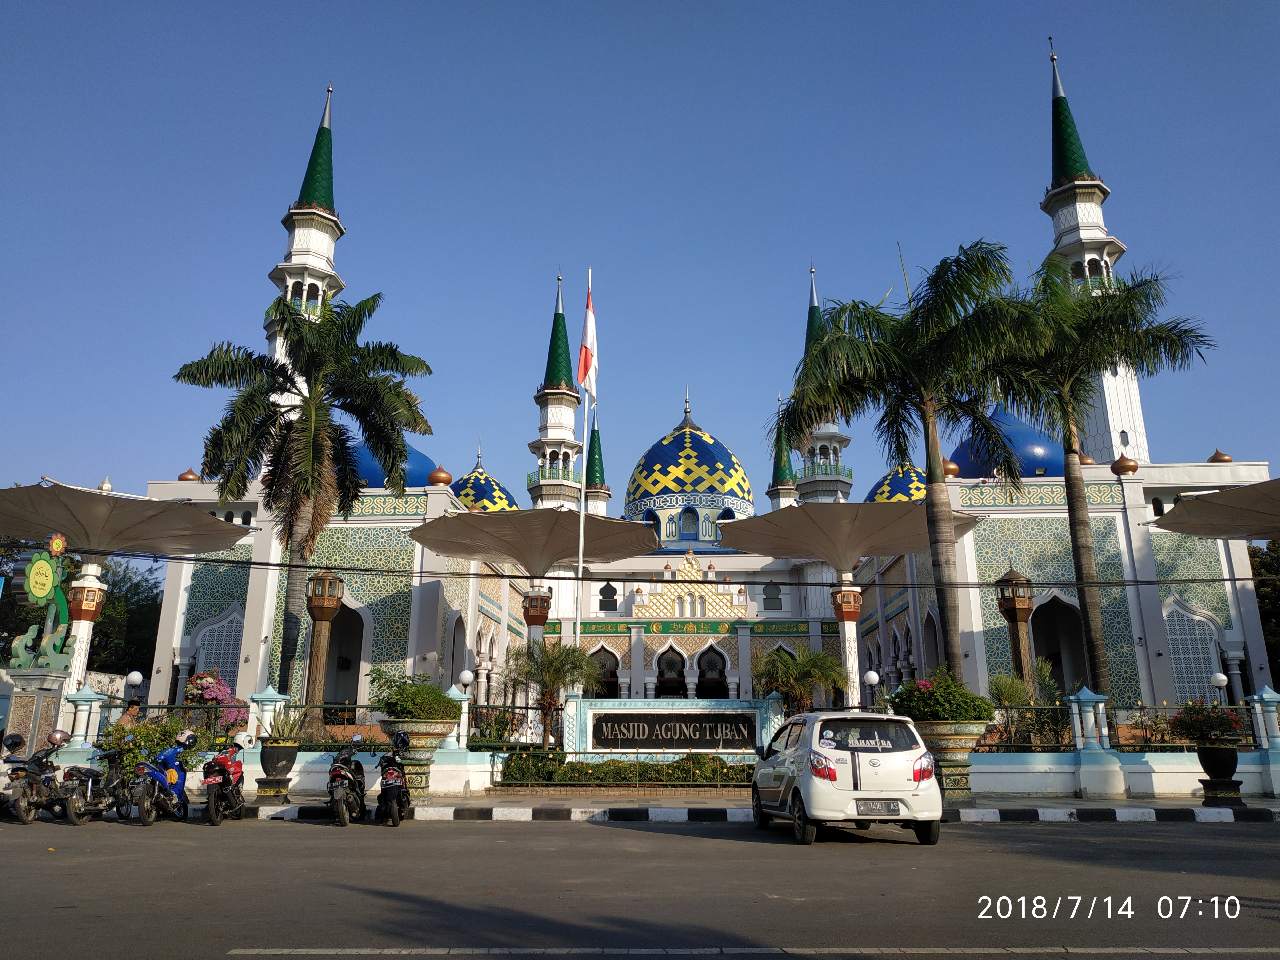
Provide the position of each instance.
(324, 596)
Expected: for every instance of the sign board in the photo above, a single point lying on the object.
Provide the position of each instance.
(662, 730)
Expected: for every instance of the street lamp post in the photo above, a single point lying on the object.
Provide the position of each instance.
(1014, 600)
(324, 600)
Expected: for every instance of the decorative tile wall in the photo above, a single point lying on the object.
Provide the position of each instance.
(216, 586)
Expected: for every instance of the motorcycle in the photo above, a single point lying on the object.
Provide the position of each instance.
(393, 798)
(160, 786)
(224, 782)
(346, 784)
(33, 783)
(100, 790)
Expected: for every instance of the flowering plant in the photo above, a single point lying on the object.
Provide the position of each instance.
(941, 697)
(1203, 723)
(208, 689)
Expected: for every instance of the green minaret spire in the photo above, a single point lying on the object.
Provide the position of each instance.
(784, 474)
(813, 329)
(317, 185)
(559, 375)
(1069, 160)
(595, 459)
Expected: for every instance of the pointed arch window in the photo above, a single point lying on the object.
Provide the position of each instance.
(772, 596)
(606, 662)
(670, 680)
(713, 682)
(608, 598)
(688, 524)
(651, 518)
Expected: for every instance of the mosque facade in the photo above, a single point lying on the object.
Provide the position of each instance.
(688, 620)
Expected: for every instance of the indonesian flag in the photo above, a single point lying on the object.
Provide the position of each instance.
(588, 358)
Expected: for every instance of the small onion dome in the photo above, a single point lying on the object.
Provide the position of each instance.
(1219, 457)
(440, 477)
(1086, 460)
(950, 468)
(1124, 465)
(188, 475)
(901, 484)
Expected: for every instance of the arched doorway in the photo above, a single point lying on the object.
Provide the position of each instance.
(930, 646)
(342, 669)
(607, 662)
(671, 674)
(457, 652)
(1057, 635)
(713, 684)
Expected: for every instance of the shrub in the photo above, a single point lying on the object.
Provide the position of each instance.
(151, 737)
(209, 689)
(941, 697)
(555, 768)
(1202, 722)
(409, 698)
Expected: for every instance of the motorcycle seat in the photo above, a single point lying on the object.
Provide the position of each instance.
(88, 773)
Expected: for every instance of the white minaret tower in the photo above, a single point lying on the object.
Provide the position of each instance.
(822, 478)
(1074, 200)
(557, 480)
(307, 275)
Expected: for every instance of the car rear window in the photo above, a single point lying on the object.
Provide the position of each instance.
(866, 736)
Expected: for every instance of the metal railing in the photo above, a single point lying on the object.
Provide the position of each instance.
(1029, 730)
(820, 469)
(498, 726)
(1144, 728)
(568, 475)
(556, 768)
(325, 727)
(1049, 729)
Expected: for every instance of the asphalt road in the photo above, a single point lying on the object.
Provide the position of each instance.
(107, 890)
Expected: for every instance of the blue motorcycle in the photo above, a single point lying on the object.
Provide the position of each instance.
(160, 785)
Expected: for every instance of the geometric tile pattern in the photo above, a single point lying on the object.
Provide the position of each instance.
(1193, 654)
(1040, 548)
(1179, 556)
(687, 460)
(1038, 495)
(666, 600)
(216, 586)
(901, 484)
(479, 491)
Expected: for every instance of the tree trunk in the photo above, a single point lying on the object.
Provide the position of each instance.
(1086, 568)
(942, 547)
(317, 659)
(295, 601)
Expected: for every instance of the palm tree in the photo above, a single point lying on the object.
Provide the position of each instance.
(550, 669)
(287, 426)
(1090, 332)
(797, 676)
(928, 369)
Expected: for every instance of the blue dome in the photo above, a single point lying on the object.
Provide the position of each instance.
(479, 491)
(688, 467)
(904, 483)
(417, 469)
(1039, 453)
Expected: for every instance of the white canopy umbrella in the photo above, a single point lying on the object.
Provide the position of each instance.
(1250, 512)
(839, 534)
(102, 522)
(536, 540)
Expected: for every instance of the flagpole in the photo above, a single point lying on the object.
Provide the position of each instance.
(582, 501)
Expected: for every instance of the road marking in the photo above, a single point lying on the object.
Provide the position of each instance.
(750, 951)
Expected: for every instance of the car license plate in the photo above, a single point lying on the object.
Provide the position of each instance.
(882, 808)
(212, 779)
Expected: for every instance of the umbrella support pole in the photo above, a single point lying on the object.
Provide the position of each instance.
(846, 603)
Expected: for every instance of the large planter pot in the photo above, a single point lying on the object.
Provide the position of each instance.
(951, 742)
(424, 737)
(279, 754)
(1218, 760)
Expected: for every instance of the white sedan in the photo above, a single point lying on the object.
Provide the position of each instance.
(847, 767)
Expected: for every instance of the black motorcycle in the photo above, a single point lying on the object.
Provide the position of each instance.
(101, 790)
(346, 785)
(393, 798)
(33, 783)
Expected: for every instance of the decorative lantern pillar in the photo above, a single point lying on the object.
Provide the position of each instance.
(1014, 600)
(846, 603)
(85, 601)
(537, 610)
(324, 600)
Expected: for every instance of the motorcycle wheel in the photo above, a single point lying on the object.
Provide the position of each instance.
(213, 809)
(393, 813)
(146, 809)
(73, 809)
(341, 814)
(23, 810)
(181, 809)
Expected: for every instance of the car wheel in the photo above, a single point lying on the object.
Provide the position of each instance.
(803, 830)
(928, 831)
(758, 816)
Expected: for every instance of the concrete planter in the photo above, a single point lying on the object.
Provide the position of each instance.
(424, 737)
(951, 742)
(279, 754)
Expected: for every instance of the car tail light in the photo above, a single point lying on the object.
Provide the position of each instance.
(922, 770)
(140, 769)
(821, 766)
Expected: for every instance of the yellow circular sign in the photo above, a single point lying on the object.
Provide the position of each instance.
(40, 579)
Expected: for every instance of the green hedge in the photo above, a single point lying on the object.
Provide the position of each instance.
(555, 767)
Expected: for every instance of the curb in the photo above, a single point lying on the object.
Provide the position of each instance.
(313, 812)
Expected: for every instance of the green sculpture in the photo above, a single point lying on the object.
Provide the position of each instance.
(46, 648)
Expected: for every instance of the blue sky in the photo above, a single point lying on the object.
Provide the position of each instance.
(697, 156)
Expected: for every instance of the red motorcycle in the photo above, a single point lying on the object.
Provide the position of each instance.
(224, 782)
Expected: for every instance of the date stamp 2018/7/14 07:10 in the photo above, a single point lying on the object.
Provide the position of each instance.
(1093, 907)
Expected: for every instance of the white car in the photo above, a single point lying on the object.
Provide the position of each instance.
(847, 767)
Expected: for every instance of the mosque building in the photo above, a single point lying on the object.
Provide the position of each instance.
(688, 620)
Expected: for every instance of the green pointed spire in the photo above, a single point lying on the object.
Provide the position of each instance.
(317, 185)
(595, 459)
(813, 328)
(559, 375)
(784, 474)
(1069, 160)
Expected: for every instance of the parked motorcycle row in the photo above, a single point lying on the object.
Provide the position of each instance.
(157, 786)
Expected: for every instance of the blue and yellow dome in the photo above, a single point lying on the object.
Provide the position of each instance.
(901, 484)
(479, 491)
(688, 467)
(417, 469)
(1039, 454)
